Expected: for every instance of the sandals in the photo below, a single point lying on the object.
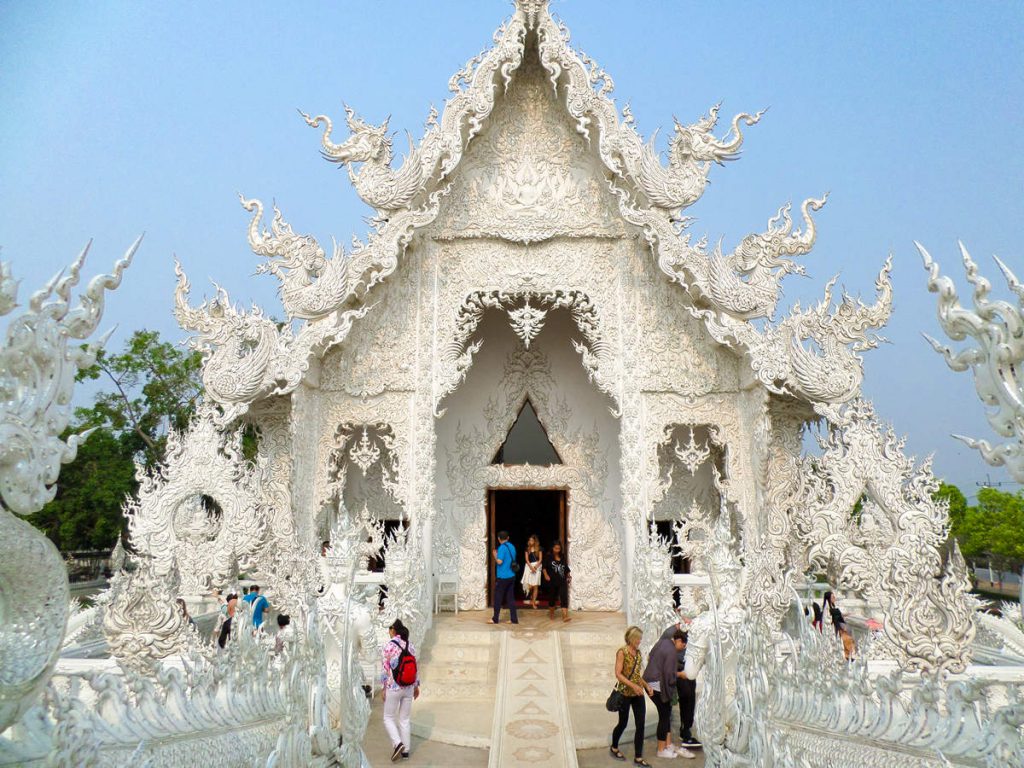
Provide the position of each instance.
(641, 761)
(617, 754)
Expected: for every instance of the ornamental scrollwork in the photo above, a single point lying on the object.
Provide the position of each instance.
(38, 365)
(141, 621)
(812, 352)
(202, 510)
(892, 551)
(997, 330)
(526, 321)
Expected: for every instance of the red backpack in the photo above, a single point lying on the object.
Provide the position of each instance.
(405, 673)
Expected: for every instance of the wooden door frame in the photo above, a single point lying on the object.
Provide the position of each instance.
(563, 522)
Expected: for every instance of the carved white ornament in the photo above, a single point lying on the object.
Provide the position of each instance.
(997, 329)
(38, 364)
(364, 453)
(692, 455)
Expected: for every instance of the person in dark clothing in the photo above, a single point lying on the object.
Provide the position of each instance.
(816, 622)
(661, 675)
(630, 683)
(225, 628)
(558, 576)
(687, 692)
(828, 605)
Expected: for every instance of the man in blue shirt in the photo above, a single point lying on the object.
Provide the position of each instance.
(258, 603)
(505, 567)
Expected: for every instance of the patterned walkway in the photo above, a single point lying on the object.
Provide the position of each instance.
(531, 714)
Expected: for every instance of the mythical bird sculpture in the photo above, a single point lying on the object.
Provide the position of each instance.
(242, 350)
(377, 183)
(997, 327)
(828, 372)
(746, 282)
(312, 286)
(692, 150)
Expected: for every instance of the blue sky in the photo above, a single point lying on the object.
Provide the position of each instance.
(118, 118)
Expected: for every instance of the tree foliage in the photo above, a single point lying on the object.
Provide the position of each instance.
(154, 385)
(148, 387)
(990, 530)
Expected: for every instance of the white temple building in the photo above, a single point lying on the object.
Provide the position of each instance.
(532, 339)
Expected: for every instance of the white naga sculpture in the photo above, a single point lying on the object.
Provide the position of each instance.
(38, 364)
(997, 329)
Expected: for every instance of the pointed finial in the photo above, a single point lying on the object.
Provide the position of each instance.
(531, 9)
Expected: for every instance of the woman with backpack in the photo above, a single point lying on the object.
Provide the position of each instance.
(400, 685)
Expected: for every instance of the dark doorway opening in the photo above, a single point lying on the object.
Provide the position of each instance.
(524, 513)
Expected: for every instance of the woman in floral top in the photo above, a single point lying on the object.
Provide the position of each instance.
(630, 683)
(397, 698)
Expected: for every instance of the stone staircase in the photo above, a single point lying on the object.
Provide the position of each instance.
(462, 657)
(458, 676)
(588, 660)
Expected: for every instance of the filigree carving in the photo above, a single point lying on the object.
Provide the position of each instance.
(38, 364)
(997, 329)
(691, 455)
(527, 322)
(364, 453)
(201, 510)
(893, 556)
(141, 622)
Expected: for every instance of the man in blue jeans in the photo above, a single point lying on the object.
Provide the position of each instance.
(505, 568)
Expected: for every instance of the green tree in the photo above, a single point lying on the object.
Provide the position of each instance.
(153, 386)
(992, 529)
(957, 504)
(86, 512)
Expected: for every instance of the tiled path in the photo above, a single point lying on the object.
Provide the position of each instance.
(460, 664)
(531, 718)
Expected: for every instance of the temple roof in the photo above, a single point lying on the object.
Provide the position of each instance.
(735, 294)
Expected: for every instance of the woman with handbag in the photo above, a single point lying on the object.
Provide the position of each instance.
(628, 694)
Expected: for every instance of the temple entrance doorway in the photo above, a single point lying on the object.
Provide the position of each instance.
(540, 512)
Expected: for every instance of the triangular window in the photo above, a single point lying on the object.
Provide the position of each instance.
(527, 442)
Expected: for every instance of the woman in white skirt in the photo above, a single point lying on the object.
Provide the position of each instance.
(532, 571)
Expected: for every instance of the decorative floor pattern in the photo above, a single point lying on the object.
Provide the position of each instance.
(531, 715)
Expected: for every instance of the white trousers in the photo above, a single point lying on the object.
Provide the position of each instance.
(398, 706)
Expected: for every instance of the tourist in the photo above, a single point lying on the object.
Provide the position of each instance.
(828, 605)
(849, 644)
(285, 632)
(184, 612)
(531, 573)
(505, 567)
(631, 684)
(229, 612)
(661, 675)
(816, 622)
(258, 603)
(558, 576)
(686, 689)
(397, 697)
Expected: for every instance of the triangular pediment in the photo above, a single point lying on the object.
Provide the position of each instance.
(527, 441)
(529, 175)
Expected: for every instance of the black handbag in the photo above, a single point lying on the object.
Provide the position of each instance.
(514, 565)
(616, 701)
